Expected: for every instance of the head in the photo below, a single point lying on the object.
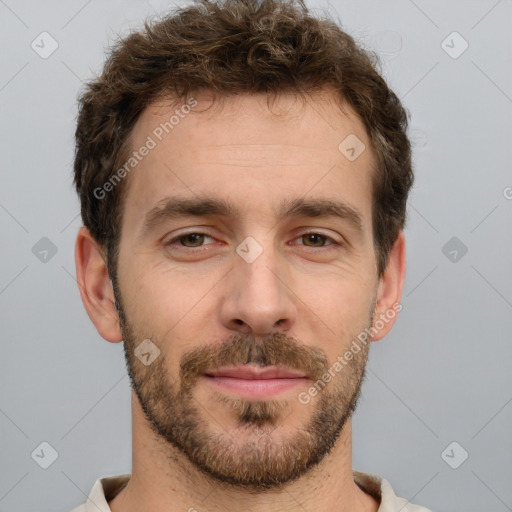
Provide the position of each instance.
(243, 171)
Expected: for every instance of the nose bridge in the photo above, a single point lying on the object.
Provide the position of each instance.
(262, 278)
(258, 299)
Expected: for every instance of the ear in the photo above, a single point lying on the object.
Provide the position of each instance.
(95, 286)
(389, 291)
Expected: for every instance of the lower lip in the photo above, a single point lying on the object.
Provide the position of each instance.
(254, 388)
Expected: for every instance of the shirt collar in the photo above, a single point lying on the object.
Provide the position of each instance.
(105, 489)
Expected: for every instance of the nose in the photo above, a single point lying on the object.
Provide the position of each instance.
(258, 299)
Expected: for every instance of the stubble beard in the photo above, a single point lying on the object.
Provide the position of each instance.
(254, 454)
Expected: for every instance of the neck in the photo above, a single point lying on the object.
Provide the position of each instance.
(163, 479)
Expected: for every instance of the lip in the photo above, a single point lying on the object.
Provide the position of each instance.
(255, 382)
(255, 372)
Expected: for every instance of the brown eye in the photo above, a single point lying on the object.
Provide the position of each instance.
(192, 240)
(314, 240)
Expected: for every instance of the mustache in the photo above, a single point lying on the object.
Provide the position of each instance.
(276, 349)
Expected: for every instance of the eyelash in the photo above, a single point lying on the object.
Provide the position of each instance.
(332, 241)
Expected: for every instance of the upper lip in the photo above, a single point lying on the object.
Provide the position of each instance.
(256, 372)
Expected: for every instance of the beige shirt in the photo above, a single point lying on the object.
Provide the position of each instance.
(105, 489)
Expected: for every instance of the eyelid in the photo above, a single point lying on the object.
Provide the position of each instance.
(332, 239)
(176, 237)
(315, 231)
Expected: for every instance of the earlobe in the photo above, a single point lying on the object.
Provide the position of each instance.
(95, 286)
(389, 292)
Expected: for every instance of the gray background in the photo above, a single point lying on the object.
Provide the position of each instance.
(442, 375)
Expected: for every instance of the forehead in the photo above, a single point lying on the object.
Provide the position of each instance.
(242, 149)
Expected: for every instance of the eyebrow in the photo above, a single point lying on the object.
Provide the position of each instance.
(174, 207)
(322, 208)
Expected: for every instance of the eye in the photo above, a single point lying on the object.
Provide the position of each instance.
(315, 240)
(191, 240)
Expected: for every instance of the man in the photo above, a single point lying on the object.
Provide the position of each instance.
(243, 172)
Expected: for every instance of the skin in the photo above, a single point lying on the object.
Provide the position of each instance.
(322, 295)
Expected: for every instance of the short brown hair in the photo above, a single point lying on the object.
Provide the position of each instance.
(230, 47)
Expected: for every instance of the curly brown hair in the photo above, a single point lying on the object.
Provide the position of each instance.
(229, 47)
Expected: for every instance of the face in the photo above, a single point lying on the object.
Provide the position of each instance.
(246, 263)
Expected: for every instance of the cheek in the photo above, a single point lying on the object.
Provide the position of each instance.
(159, 293)
(338, 309)
(168, 305)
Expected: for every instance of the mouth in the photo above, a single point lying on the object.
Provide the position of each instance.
(255, 382)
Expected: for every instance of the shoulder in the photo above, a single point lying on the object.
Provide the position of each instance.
(382, 491)
(103, 491)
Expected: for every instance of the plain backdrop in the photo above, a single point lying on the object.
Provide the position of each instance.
(435, 416)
